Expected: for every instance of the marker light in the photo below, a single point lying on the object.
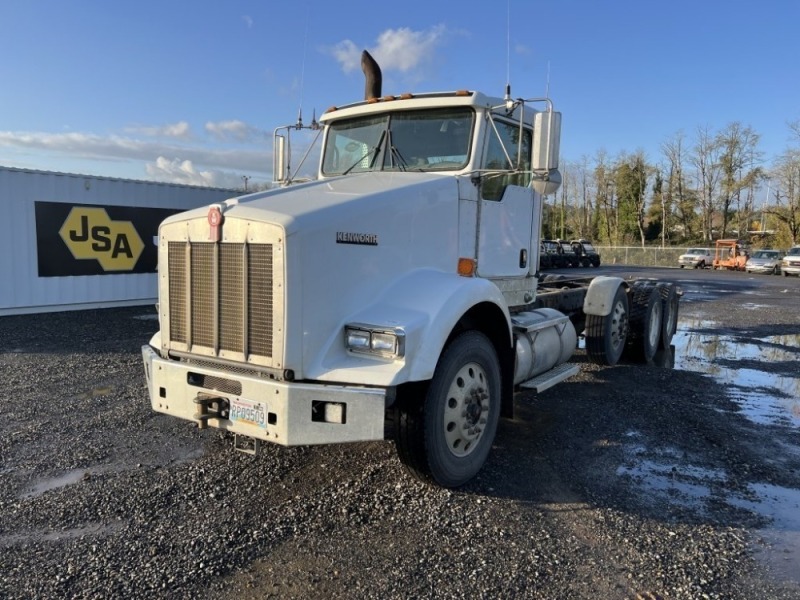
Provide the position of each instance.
(466, 267)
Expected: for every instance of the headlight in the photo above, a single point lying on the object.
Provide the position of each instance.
(386, 342)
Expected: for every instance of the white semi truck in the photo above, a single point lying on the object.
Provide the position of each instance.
(396, 295)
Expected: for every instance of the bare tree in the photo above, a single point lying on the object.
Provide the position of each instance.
(738, 151)
(786, 189)
(605, 210)
(705, 159)
(676, 189)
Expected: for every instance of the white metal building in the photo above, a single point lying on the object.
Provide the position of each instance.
(71, 242)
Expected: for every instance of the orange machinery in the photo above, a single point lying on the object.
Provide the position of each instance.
(730, 254)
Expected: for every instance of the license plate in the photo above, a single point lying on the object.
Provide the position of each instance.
(248, 412)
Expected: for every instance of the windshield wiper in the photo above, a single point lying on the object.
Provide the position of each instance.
(366, 155)
(395, 153)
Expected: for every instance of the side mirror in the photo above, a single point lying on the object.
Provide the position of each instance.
(547, 183)
(279, 174)
(546, 140)
(546, 146)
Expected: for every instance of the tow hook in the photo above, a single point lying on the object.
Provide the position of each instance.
(209, 407)
(246, 444)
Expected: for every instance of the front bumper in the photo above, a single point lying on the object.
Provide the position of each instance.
(285, 413)
(761, 268)
(792, 269)
(687, 262)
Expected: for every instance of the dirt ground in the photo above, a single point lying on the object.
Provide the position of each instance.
(635, 481)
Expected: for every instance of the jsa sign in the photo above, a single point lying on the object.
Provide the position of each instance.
(95, 240)
(91, 235)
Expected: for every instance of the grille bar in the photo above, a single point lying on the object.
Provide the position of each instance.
(221, 297)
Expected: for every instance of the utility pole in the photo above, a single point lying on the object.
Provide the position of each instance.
(246, 179)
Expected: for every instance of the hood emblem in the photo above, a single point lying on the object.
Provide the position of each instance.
(215, 220)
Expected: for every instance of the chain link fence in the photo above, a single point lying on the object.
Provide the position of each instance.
(636, 255)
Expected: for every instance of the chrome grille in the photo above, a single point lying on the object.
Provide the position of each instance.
(259, 299)
(177, 292)
(221, 297)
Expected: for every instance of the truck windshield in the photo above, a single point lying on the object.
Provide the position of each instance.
(415, 140)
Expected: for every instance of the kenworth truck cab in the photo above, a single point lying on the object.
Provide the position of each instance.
(397, 295)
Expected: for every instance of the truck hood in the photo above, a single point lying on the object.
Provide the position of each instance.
(343, 198)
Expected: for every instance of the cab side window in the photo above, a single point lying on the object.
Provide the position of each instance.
(494, 184)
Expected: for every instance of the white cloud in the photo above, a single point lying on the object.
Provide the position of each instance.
(179, 171)
(248, 21)
(348, 55)
(232, 130)
(93, 147)
(397, 49)
(184, 171)
(179, 130)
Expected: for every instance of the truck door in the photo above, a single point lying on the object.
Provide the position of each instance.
(506, 207)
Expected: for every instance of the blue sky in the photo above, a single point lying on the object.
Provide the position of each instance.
(192, 91)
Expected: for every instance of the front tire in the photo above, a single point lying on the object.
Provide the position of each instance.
(605, 336)
(445, 437)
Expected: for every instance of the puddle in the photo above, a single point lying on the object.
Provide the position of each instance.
(53, 483)
(768, 398)
(781, 552)
(765, 398)
(686, 485)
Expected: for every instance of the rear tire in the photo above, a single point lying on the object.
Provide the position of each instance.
(670, 308)
(646, 320)
(445, 437)
(605, 336)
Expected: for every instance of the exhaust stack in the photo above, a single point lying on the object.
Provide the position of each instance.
(372, 74)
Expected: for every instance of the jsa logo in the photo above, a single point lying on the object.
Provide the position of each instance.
(90, 234)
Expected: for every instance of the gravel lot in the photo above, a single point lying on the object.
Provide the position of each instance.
(624, 482)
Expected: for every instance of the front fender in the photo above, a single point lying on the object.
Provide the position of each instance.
(426, 305)
(600, 295)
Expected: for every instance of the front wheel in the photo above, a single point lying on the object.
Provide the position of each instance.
(606, 335)
(445, 437)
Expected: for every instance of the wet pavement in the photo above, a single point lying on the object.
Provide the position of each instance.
(762, 377)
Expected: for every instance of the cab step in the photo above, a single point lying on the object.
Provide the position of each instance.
(550, 378)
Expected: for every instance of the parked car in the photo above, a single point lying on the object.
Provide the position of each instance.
(764, 261)
(557, 258)
(790, 265)
(588, 256)
(545, 258)
(697, 258)
(572, 258)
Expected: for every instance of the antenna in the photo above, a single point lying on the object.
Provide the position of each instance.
(509, 102)
(547, 85)
(299, 124)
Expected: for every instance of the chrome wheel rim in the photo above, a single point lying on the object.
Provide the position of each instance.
(466, 409)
